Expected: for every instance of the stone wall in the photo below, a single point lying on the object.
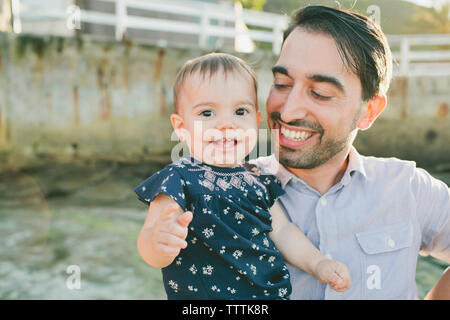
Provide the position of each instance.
(67, 98)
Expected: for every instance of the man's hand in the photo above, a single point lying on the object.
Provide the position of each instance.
(333, 273)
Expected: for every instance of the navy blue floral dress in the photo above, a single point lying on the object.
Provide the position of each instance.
(229, 254)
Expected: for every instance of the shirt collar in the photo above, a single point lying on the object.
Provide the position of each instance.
(355, 164)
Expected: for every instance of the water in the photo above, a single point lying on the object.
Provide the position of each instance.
(53, 216)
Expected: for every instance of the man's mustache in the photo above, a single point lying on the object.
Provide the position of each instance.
(275, 116)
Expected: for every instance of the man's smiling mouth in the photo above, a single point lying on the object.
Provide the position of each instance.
(295, 135)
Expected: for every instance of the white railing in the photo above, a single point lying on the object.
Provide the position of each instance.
(202, 15)
(411, 61)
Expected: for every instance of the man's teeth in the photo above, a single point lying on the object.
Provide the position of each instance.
(295, 135)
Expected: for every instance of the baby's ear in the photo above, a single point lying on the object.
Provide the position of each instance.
(258, 117)
(178, 125)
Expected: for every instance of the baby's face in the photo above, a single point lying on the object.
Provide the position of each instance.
(218, 117)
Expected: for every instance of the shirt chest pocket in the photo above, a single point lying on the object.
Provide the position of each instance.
(386, 239)
(386, 260)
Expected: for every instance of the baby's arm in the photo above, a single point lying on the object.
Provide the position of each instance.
(299, 251)
(164, 232)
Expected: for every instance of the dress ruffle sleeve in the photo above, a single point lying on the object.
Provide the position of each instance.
(167, 181)
(273, 186)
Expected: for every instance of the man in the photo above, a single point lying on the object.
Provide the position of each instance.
(374, 215)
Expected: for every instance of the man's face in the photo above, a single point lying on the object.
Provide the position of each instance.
(315, 102)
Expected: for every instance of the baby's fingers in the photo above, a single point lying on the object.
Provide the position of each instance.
(340, 284)
(168, 212)
(343, 273)
(168, 250)
(171, 240)
(173, 228)
(185, 219)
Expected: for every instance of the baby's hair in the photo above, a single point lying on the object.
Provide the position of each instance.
(208, 65)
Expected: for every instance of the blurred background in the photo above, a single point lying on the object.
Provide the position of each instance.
(85, 99)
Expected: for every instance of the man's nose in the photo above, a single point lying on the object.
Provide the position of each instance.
(295, 106)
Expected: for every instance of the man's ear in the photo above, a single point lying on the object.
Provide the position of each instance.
(373, 109)
(178, 125)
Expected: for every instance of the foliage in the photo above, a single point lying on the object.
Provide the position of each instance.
(433, 20)
(253, 4)
(397, 16)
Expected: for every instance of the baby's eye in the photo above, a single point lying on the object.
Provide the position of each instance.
(241, 111)
(206, 113)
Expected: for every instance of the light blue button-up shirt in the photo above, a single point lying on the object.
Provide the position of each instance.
(376, 220)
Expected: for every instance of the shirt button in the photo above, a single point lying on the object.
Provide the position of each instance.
(323, 201)
(391, 243)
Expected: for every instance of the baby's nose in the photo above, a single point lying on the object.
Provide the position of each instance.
(225, 123)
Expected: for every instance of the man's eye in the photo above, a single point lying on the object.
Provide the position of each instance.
(280, 86)
(319, 96)
(206, 113)
(241, 111)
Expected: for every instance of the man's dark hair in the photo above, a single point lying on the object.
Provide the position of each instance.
(361, 43)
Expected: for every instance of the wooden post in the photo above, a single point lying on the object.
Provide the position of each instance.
(121, 19)
(278, 36)
(404, 58)
(16, 22)
(204, 24)
(6, 17)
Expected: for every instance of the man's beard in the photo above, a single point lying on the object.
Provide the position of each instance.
(324, 150)
(299, 159)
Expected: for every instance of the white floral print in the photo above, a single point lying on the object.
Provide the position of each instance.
(208, 270)
(222, 202)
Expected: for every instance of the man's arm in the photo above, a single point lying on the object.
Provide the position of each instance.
(441, 290)
(433, 213)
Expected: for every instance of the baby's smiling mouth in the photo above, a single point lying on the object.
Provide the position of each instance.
(225, 142)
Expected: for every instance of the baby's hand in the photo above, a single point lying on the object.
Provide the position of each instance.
(169, 232)
(334, 273)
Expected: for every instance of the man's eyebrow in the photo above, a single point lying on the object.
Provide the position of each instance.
(328, 79)
(280, 69)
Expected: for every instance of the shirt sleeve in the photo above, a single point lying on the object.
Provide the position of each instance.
(167, 181)
(433, 213)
